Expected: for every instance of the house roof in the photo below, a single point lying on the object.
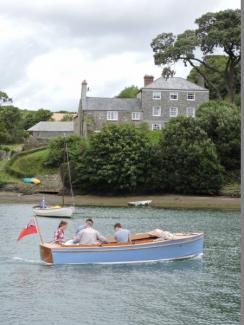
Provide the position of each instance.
(174, 83)
(112, 104)
(53, 126)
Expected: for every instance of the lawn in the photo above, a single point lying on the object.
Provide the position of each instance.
(5, 178)
(32, 164)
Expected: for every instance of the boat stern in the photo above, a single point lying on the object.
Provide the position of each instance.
(46, 254)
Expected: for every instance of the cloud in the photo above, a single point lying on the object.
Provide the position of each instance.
(49, 47)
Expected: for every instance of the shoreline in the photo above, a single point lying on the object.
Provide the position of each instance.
(158, 201)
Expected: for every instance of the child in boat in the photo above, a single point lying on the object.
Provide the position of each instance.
(59, 233)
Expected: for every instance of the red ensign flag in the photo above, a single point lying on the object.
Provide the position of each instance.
(28, 230)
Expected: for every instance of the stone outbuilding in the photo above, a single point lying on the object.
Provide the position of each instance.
(48, 129)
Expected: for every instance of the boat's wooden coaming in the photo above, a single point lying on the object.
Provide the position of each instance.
(138, 240)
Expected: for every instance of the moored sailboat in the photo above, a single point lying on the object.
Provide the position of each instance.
(58, 211)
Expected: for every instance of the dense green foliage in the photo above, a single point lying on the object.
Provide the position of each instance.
(128, 92)
(222, 123)
(14, 121)
(220, 30)
(34, 117)
(11, 128)
(28, 164)
(117, 160)
(188, 159)
(216, 74)
(57, 150)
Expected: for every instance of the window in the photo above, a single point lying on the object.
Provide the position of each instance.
(156, 95)
(173, 96)
(156, 111)
(190, 111)
(135, 116)
(190, 96)
(173, 111)
(112, 116)
(156, 126)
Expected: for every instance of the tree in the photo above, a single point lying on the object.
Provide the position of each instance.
(57, 150)
(215, 31)
(189, 161)
(128, 92)
(117, 160)
(11, 122)
(4, 98)
(34, 117)
(217, 63)
(221, 121)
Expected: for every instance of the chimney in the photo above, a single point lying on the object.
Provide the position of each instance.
(148, 80)
(83, 89)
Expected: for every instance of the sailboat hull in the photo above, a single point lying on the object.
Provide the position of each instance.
(55, 212)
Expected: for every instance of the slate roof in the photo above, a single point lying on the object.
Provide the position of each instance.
(53, 126)
(112, 104)
(174, 83)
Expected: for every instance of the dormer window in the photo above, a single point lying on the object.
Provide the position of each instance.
(173, 96)
(156, 95)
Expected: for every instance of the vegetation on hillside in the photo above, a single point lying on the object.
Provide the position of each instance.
(14, 122)
(29, 164)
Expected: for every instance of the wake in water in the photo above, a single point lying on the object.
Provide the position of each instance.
(16, 259)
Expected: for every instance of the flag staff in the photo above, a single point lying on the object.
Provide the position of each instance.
(38, 229)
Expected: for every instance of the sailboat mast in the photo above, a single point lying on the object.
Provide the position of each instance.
(69, 173)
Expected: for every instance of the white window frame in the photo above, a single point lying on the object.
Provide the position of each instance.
(156, 97)
(112, 116)
(159, 126)
(194, 96)
(153, 110)
(173, 93)
(193, 112)
(170, 113)
(136, 116)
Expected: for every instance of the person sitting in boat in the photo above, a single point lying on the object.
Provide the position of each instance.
(83, 226)
(89, 236)
(59, 233)
(121, 235)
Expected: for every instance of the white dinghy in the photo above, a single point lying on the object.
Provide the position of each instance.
(57, 210)
(140, 203)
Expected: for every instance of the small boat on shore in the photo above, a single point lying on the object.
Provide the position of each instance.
(144, 247)
(140, 203)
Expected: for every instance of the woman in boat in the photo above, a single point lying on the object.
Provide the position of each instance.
(59, 233)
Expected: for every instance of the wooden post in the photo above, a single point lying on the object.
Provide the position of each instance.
(38, 230)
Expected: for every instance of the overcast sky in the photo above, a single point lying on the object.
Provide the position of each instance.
(48, 47)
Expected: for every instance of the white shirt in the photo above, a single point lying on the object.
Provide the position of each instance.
(89, 236)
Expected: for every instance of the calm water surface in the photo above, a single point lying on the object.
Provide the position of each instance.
(201, 291)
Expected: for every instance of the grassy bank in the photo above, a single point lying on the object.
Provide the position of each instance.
(158, 201)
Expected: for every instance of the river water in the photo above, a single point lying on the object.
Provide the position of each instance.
(199, 291)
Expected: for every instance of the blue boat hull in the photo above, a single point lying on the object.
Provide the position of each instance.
(148, 252)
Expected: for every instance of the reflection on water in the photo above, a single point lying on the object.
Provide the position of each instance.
(197, 291)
